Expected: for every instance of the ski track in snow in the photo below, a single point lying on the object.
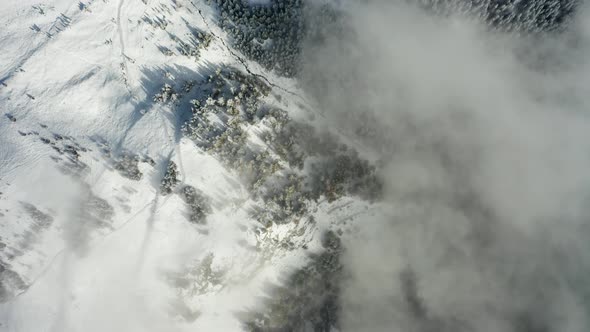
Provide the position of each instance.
(122, 46)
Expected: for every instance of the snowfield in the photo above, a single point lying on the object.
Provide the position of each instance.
(83, 246)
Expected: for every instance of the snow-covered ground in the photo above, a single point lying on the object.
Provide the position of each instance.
(82, 246)
(154, 178)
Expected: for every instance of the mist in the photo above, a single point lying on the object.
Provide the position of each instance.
(482, 136)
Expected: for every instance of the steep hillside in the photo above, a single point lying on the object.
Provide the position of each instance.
(151, 175)
(270, 165)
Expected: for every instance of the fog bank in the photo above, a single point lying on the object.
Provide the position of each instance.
(483, 140)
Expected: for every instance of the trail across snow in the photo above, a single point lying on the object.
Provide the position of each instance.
(125, 67)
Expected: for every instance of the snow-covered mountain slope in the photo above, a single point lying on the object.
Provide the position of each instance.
(124, 206)
(426, 171)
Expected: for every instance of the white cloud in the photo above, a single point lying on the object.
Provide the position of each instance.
(485, 138)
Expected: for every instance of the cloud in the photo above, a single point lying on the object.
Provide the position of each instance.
(484, 138)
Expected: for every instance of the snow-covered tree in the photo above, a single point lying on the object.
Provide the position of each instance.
(170, 179)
